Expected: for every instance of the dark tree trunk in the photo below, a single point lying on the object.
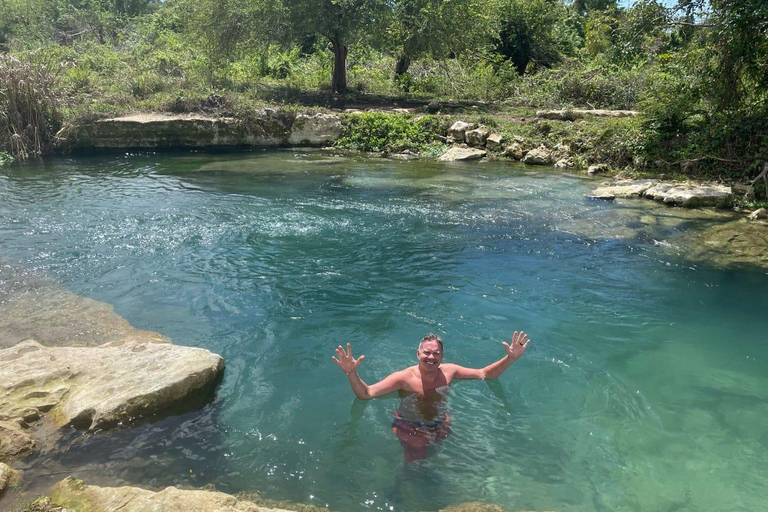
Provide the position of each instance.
(339, 79)
(403, 63)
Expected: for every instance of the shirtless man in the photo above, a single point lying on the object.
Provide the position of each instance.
(422, 420)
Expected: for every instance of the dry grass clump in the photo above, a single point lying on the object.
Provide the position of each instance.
(29, 114)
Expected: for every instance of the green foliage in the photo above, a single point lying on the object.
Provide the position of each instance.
(389, 132)
(528, 32)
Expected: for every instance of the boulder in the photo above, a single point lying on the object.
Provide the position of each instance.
(74, 493)
(315, 130)
(493, 142)
(565, 163)
(598, 169)
(15, 443)
(622, 188)
(477, 137)
(538, 156)
(759, 214)
(691, 195)
(561, 151)
(8, 477)
(97, 387)
(514, 150)
(458, 153)
(458, 130)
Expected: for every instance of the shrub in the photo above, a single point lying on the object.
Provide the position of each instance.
(389, 132)
(29, 113)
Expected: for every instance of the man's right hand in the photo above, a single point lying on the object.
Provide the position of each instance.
(346, 362)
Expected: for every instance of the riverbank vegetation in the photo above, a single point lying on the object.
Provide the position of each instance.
(697, 71)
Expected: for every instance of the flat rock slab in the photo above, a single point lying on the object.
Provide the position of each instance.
(75, 494)
(315, 129)
(686, 194)
(678, 194)
(569, 115)
(95, 387)
(460, 154)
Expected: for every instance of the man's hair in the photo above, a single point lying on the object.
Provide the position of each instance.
(432, 337)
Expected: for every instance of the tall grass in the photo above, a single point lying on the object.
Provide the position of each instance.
(29, 114)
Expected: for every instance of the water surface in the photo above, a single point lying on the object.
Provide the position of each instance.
(644, 387)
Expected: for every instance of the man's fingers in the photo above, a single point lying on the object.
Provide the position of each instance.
(349, 349)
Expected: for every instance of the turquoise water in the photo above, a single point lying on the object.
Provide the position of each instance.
(644, 388)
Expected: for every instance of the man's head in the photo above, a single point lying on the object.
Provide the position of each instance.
(430, 352)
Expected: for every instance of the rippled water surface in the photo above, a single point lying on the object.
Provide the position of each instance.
(645, 388)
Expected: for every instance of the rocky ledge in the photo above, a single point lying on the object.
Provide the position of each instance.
(266, 128)
(94, 387)
(678, 194)
(75, 496)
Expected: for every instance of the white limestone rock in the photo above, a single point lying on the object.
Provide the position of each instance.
(514, 150)
(538, 156)
(622, 188)
(493, 142)
(477, 137)
(95, 387)
(315, 130)
(759, 214)
(598, 169)
(691, 194)
(460, 154)
(458, 130)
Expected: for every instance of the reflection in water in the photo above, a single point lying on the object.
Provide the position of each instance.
(644, 389)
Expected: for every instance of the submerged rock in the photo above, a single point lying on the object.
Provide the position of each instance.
(96, 387)
(8, 477)
(458, 153)
(738, 242)
(32, 307)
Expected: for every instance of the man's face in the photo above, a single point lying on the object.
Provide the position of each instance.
(430, 355)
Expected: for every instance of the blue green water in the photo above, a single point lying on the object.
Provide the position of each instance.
(644, 388)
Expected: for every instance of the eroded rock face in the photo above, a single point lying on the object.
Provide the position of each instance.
(95, 387)
(267, 128)
(458, 154)
(315, 130)
(74, 493)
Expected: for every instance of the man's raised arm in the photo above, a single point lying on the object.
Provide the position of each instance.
(363, 391)
(514, 350)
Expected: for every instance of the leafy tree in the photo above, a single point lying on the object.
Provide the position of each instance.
(340, 22)
(527, 31)
(437, 29)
